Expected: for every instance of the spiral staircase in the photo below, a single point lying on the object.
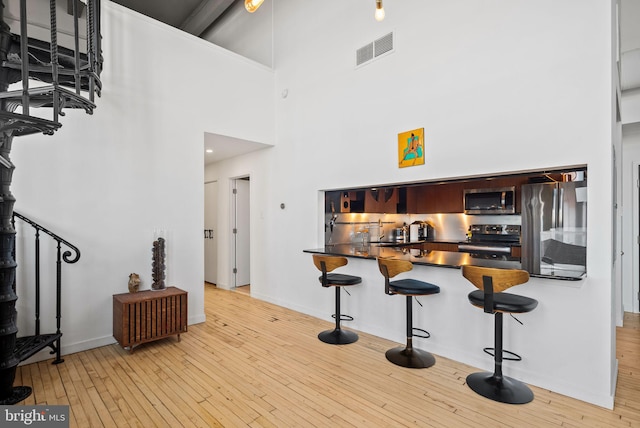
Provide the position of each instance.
(52, 77)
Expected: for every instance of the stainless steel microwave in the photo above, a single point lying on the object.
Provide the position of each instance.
(501, 200)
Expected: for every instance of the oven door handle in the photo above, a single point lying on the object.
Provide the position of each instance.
(471, 248)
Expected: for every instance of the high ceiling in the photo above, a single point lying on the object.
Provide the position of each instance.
(192, 16)
(196, 16)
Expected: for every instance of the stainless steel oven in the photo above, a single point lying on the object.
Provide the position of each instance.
(492, 241)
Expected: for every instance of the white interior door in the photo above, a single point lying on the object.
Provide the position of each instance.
(241, 232)
(210, 232)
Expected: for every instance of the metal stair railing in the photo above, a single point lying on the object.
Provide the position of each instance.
(30, 345)
(23, 58)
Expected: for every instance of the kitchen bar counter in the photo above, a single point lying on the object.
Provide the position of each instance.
(448, 259)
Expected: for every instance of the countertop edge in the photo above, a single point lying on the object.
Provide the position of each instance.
(436, 258)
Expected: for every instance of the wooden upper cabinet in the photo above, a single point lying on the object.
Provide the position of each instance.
(428, 198)
(383, 200)
(449, 198)
(435, 198)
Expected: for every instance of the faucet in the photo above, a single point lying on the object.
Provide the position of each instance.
(332, 222)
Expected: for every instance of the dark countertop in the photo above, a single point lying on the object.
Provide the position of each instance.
(424, 241)
(448, 259)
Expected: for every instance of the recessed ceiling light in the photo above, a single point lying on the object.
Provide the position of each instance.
(209, 150)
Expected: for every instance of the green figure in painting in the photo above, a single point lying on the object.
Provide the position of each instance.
(414, 148)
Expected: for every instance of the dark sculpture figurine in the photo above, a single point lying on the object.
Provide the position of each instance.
(158, 265)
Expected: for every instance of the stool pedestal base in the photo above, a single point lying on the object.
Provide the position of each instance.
(503, 389)
(338, 337)
(410, 357)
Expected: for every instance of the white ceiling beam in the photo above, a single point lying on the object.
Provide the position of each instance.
(204, 15)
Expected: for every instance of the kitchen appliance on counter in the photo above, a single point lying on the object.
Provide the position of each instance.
(492, 241)
(554, 228)
(421, 230)
(501, 200)
(398, 234)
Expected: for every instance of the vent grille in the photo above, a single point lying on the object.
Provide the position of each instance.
(364, 54)
(384, 44)
(374, 49)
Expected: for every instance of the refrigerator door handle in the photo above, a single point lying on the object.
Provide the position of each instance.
(560, 219)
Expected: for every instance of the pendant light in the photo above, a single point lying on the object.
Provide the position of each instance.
(252, 5)
(379, 15)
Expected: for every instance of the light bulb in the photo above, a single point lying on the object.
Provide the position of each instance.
(252, 5)
(379, 15)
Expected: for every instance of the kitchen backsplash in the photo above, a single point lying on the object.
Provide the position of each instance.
(356, 228)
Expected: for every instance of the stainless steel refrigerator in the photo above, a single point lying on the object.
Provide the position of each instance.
(554, 228)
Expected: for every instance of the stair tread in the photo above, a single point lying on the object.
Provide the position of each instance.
(21, 124)
(44, 96)
(40, 67)
(28, 346)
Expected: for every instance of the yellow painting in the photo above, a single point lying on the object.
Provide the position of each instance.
(411, 148)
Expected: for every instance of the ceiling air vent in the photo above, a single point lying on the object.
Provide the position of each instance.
(364, 54)
(384, 44)
(374, 49)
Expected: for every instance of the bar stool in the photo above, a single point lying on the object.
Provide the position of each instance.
(407, 356)
(326, 264)
(491, 283)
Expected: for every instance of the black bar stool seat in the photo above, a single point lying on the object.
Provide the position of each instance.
(490, 297)
(407, 356)
(413, 287)
(340, 279)
(326, 264)
(504, 302)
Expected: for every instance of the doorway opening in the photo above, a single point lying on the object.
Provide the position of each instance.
(241, 233)
(211, 232)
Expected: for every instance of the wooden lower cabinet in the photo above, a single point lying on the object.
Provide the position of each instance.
(149, 315)
(440, 246)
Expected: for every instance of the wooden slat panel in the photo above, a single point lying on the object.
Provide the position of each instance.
(148, 316)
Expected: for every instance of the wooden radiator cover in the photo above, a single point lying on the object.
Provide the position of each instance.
(149, 315)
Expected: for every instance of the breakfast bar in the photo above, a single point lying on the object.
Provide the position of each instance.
(416, 256)
(500, 222)
(415, 253)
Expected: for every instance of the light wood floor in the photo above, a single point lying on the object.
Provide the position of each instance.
(259, 365)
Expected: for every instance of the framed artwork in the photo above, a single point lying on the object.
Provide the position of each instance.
(411, 148)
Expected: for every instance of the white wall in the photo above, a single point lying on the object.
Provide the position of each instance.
(630, 106)
(105, 182)
(498, 86)
(631, 221)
